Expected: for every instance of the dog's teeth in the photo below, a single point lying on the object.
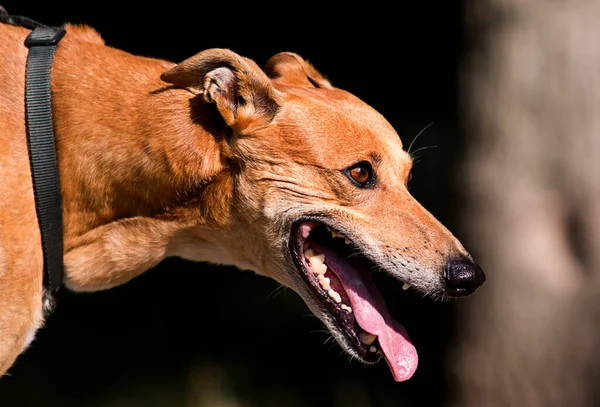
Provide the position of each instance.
(333, 233)
(319, 257)
(317, 263)
(366, 338)
(324, 281)
(373, 349)
(336, 234)
(335, 296)
(318, 267)
(346, 308)
(406, 286)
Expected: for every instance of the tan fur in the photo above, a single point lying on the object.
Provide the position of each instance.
(150, 168)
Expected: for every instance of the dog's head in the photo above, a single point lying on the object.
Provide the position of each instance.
(318, 199)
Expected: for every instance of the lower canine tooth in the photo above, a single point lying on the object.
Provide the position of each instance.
(335, 296)
(406, 286)
(366, 338)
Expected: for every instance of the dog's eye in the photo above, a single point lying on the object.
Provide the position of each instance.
(361, 174)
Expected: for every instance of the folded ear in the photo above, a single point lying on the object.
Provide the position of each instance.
(241, 91)
(290, 68)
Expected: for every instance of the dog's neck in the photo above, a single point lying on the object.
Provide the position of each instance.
(126, 139)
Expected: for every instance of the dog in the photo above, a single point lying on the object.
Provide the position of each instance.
(214, 159)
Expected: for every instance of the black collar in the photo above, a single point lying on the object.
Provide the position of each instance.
(42, 43)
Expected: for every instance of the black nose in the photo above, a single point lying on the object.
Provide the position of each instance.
(462, 277)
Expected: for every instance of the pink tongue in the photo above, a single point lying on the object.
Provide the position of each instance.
(372, 315)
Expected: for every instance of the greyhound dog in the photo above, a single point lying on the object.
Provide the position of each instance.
(215, 159)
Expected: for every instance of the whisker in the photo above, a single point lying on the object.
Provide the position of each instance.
(413, 154)
(332, 346)
(417, 136)
(329, 339)
(276, 292)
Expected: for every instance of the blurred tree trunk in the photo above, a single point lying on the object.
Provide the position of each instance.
(530, 112)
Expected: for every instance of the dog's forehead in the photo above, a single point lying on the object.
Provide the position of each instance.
(339, 127)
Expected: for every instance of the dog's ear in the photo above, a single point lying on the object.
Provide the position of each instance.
(290, 68)
(241, 91)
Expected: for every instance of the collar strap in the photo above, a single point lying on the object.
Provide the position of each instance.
(42, 42)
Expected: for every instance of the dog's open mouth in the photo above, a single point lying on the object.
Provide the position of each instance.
(337, 274)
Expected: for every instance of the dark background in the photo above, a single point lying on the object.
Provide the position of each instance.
(186, 331)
